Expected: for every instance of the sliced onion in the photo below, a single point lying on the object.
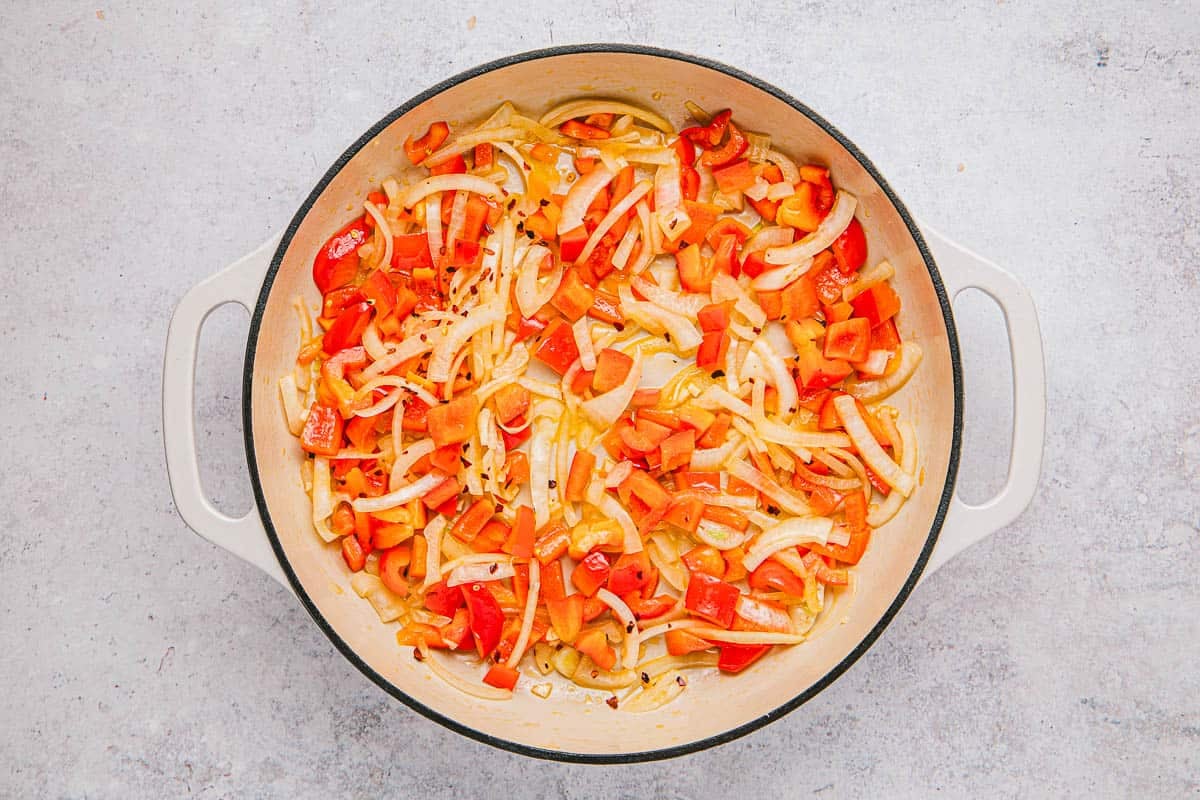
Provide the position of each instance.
(788, 167)
(617, 475)
(632, 542)
(458, 220)
(790, 533)
(404, 494)
(833, 226)
(497, 570)
(350, 454)
(385, 230)
(433, 227)
(406, 458)
(883, 513)
(447, 346)
(726, 287)
(581, 195)
(668, 201)
(876, 363)
(780, 191)
(866, 279)
(780, 376)
(673, 625)
(410, 348)
(879, 461)
(615, 213)
(624, 250)
(583, 341)
(857, 468)
(468, 140)
(293, 411)
(604, 410)
(393, 381)
(448, 183)
(628, 621)
(909, 355)
(758, 190)
(720, 536)
(767, 238)
(531, 603)
(772, 280)
(434, 529)
(787, 500)
(707, 460)
(455, 681)
(322, 498)
(837, 484)
(533, 293)
(584, 108)
(651, 239)
(680, 302)
(662, 689)
(685, 337)
(839, 536)
(394, 481)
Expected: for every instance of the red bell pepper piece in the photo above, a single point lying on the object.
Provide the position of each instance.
(353, 553)
(680, 643)
(715, 316)
(512, 400)
(347, 329)
(711, 598)
(336, 301)
(457, 632)
(704, 559)
(676, 450)
(735, 145)
(410, 252)
(877, 305)
(444, 600)
(689, 182)
(566, 616)
(735, 177)
(612, 368)
(420, 149)
(573, 297)
(771, 576)
(445, 492)
(571, 243)
(736, 657)
(453, 422)
(816, 371)
(379, 291)
(713, 348)
(850, 249)
(557, 349)
(471, 522)
(485, 617)
(336, 263)
(884, 336)
(484, 156)
(322, 434)
(685, 149)
(594, 644)
(502, 676)
(590, 573)
(581, 130)
(849, 340)
(629, 573)
(580, 475)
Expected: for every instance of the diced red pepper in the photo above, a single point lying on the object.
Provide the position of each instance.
(471, 522)
(571, 243)
(735, 177)
(689, 182)
(877, 305)
(484, 156)
(629, 573)
(512, 400)
(336, 263)
(884, 336)
(850, 249)
(322, 434)
(347, 329)
(771, 576)
(713, 347)
(485, 617)
(711, 598)
(453, 422)
(557, 349)
(566, 616)
(411, 252)
(580, 475)
(612, 368)
(735, 145)
(590, 573)
(523, 532)
(455, 165)
(443, 599)
(502, 676)
(736, 657)
(816, 371)
(380, 292)
(676, 450)
(445, 492)
(849, 340)
(680, 643)
(419, 149)
(581, 130)
(704, 559)
(353, 553)
(573, 297)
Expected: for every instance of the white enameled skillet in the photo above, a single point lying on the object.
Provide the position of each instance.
(934, 525)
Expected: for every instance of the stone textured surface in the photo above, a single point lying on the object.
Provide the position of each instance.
(143, 148)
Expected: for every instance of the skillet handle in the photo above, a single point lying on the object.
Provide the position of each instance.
(967, 524)
(239, 283)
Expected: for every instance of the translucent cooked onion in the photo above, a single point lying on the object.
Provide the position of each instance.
(293, 411)
(406, 458)
(884, 512)
(581, 195)
(434, 529)
(617, 475)
(531, 603)
(869, 277)
(322, 498)
(909, 355)
(661, 690)
(879, 461)
(631, 541)
(772, 280)
(385, 230)
(405, 494)
(685, 337)
(448, 183)
(779, 375)
(788, 167)
(677, 302)
(408, 349)
(726, 287)
(746, 637)
(582, 330)
(787, 500)
(615, 213)
(675, 625)
(833, 226)
(767, 238)
(628, 621)
(585, 108)
(719, 536)
(788, 533)
(497, 570)
(533, 292)
(446, 347)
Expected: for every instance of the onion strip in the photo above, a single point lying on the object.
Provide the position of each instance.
(875, 457)
(404, 494)
(833, 226)
(531, 603)
(623, 613)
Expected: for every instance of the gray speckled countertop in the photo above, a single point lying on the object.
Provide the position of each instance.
(142, 149)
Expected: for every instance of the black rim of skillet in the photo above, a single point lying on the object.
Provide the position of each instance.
(460, 727)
